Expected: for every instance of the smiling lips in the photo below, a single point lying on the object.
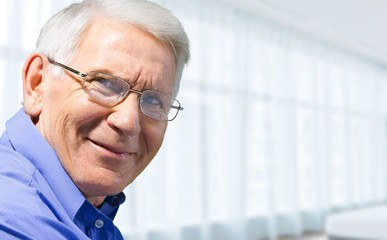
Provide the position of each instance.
(110, 148)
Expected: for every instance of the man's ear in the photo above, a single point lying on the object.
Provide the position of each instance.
(32, 84)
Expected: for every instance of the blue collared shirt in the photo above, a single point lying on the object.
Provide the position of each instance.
(38, 200)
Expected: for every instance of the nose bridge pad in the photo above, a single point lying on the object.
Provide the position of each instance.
(138, 98)
(139, 102)
(138, 105)
(125, 116)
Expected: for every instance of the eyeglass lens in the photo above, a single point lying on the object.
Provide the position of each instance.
(112, 90)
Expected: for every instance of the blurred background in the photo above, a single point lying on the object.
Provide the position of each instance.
(284, 121)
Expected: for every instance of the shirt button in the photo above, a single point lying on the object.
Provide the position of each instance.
(98, 223)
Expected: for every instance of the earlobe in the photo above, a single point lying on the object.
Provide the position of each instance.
(32, 84)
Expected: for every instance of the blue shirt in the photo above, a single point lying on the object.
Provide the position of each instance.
(38, 200)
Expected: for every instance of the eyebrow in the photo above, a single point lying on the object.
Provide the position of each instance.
(132, 83)
(108, 72)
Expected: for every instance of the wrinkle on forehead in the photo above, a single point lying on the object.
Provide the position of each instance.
(130, 53)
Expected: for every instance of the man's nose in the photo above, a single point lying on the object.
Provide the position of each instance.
(126, 116)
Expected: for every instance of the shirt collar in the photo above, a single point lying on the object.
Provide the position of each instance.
(111, 203)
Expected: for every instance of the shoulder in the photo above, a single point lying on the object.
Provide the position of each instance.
(23, 225)
(24, 214)
(16, 176)
(14, 167)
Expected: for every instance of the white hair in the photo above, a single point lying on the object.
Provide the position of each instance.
(60, 37)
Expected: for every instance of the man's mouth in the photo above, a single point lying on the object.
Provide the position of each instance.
(109, 148)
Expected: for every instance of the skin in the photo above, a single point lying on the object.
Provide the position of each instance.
(102, 148)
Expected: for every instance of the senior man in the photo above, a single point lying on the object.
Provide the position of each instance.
(98, 92)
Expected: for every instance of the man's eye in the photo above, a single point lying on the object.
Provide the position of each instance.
(109, 85)
(152, 100)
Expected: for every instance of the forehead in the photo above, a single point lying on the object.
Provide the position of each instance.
(128, 52)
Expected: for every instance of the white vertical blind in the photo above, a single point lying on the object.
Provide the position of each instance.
(279, 128)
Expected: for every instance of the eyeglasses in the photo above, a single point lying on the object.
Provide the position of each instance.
(112, 90)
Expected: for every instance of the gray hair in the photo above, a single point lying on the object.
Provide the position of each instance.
(61, 35)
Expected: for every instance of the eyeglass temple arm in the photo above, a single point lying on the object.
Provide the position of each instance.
(67, 68)
(178, 108)
(85, 75)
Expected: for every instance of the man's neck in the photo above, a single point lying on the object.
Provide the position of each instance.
(96, 201)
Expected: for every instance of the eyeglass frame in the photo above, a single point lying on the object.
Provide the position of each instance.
(83, 76)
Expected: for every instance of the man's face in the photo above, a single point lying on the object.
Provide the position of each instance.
(102, 148)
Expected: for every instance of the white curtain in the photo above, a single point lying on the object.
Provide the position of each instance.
(279, 128)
